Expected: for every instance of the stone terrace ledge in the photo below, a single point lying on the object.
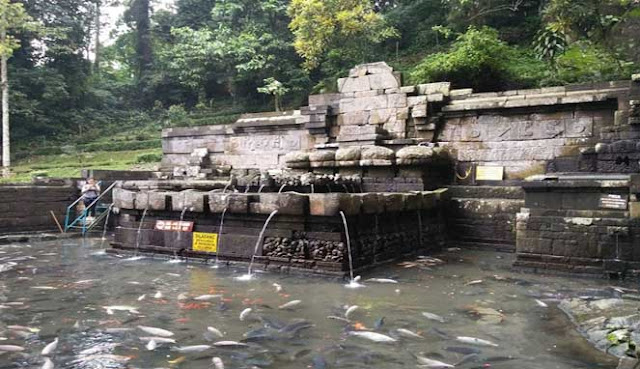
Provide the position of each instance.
(461, 100)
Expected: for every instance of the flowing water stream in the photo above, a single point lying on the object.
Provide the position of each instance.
(94, 304)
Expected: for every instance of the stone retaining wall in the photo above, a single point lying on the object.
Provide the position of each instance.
(26, 208)
(483, 216)
(567, 226)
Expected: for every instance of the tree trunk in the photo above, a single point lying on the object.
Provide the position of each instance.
(143, 49)
(96, 62)
(4, 83)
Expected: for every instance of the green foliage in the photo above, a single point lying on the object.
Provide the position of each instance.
(477, 59)
(348, 28)
(205, 62)
(13, 18)
(274, 87)
(149, 158)
(585, 62)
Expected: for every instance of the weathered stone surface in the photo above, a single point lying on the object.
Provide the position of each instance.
(377, 153)
(157, 200)
(141, 200)
(412, 201)
(378, 68)
(419, 111)
(393, 202)
(376, 162)
(192, 201)
(296, 157)
(330, 204)
(397, 100)
(350, 84)
(324, 155)
(348, 153)
(363, 104)
(380, 116)
(435, 88)
(372, 203)
(123, 199)
(353, 118)
(383, 81)
(419, 153)
(286, 203)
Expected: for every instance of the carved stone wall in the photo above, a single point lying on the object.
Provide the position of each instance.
(526, 131)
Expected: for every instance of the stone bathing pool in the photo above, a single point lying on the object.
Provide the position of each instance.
(95, 304)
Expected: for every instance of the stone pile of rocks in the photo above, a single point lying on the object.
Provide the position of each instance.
(372, 105)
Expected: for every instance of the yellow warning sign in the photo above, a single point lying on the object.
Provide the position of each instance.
(205, 242)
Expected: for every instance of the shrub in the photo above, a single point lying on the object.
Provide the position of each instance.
(149, 158)
(479, 59)
(584, 62)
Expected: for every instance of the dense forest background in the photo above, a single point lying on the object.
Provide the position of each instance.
(206, 61)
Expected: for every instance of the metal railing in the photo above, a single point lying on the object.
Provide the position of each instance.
(82, 218)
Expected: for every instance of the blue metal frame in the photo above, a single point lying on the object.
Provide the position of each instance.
(83, 216)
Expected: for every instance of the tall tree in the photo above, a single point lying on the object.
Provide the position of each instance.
(97, 51)
(345, 28)
(12, 18)
(139, 14)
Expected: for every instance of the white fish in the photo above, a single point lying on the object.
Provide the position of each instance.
(207, 297)
(11, 348)
(102, 347)
(151, 345)
(192, 349)
(541, 303)
(130, 309)
(432, 316)
(48, 364)
(339, 318)
(101, 358)
(373, 336)
(85, 281)
(290, 304)
(156, 331)
(217, 363)
(117, 330)
(408, 333)
(158, 295)
(229, 343)
(215, 331)
(425, 362)
(476, 341)
(278, 288)
(245, 313)
(477, 281)
(50, 348)
(23, 328)
(158, 339)
(382, 280)
(174, 274)
(350, 310)
(356, 279)
(46, 288)
(142, 297)
(182, 296)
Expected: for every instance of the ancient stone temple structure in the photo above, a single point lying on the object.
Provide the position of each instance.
(546, 173)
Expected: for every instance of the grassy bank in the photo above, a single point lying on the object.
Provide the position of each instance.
(70, 165)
